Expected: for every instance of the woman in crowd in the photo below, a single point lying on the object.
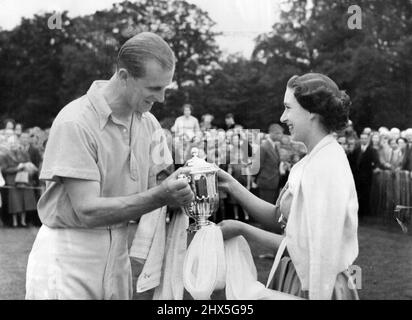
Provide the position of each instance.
(18, 171)
(237, 168)
(402, 143)
(385, 151)
(318, 205)
(395, 159)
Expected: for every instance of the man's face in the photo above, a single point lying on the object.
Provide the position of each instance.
(276, 134)
(229, 121)
(9, 125)
(18, 129)
(141, 93)
(364, 139)
(187, 112)
(351, 145)
(25, 139)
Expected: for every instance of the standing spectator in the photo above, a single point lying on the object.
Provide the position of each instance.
(367, 160)
(185, 128)
(375, 140)
(268, 175)
(3, 192)
(350, 131)
(186, 125)
(351, 146)
(9, 124)
(18, 171)
(229, 121)
(407, 160)
(395, 159)
(10, 136)
(286, 152)
(395, 133)
(385, 151)
(29, 147)
(237, 168)
(342, 141)
(207, 122)
(18, 130)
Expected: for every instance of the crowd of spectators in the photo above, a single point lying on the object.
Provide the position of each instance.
(381, 162)
(21, 153)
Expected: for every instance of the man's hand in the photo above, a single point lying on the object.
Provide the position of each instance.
(176, 192)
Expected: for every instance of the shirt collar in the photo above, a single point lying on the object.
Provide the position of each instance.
(100, 104)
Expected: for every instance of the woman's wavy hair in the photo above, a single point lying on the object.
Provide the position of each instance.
(319, 94)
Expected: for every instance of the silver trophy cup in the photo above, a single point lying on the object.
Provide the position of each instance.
(202, 179)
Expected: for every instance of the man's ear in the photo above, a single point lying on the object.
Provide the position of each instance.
(123, 74)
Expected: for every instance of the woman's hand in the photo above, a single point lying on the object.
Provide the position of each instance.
(225, 181)
(231, 228)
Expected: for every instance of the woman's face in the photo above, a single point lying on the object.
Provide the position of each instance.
(402, 144)
(375, 139)
(295, 117)
(9, 125)
(384, 140)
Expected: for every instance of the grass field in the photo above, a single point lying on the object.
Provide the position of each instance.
(385, 258)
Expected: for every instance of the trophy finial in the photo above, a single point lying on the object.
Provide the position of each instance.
(194, 152)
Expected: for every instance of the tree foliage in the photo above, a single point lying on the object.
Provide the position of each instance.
(43, 69)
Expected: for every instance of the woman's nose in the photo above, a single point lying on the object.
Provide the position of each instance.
(283, 117)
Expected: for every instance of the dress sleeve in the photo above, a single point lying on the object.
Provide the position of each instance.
(71, 153)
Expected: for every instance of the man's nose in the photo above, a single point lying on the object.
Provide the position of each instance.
(160, 97)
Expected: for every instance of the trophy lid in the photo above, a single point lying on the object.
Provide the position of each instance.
(199, 165)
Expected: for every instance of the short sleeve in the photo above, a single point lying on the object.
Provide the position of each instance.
(71, 153)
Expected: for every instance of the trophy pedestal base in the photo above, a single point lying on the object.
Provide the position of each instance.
(194, 227)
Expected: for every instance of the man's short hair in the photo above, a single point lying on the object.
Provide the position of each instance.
(144, 47)
(187, 105)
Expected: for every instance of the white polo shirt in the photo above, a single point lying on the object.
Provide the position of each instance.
(86, 142)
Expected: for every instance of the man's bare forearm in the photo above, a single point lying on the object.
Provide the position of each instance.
(107, 211)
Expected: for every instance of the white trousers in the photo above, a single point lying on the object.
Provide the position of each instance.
(79, 264)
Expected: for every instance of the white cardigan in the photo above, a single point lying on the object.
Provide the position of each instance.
(321, 233)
